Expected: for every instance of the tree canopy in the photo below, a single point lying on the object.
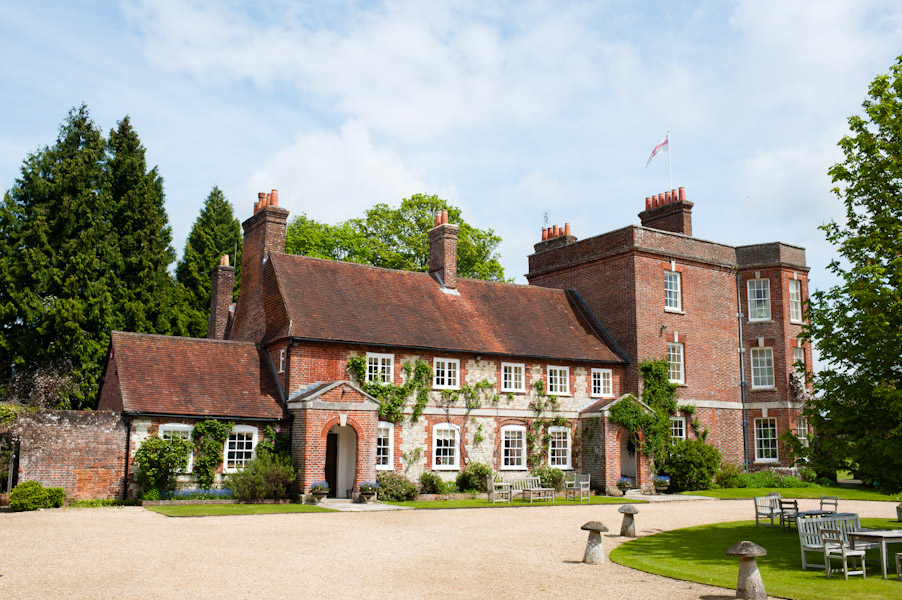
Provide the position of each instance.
(215, 232)
(84, 249)
(857, 324)
(396, 238)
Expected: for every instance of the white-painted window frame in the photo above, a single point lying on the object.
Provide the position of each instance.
(756, 300)
(673, 291)
(180, 428)
(678, 428)
(798, 356)
(442, 427)
(802, 429)
(240, 430)
(557, 429)
(561, 373)
(444, 368)
(602, 383)
(510, 432)
(381, 364)
(795, 301)
(771, 440)
(282, 354)
(512, 369)
(677, 370)
(762, 370)
(390, 446)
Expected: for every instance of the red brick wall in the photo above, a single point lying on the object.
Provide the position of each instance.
(82, 452)
(309, 433)
(220, 299)
(110, 390)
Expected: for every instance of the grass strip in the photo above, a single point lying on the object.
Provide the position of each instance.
(698, 554)
(844, 493)
(215, 510)
(471, 503)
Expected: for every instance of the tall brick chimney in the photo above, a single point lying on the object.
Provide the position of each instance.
(264, 233)
(669, 211)
(443, 251)
(220, 298)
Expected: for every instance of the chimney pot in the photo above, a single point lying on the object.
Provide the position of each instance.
(544, 234)
(274, 196)
(224, 260)
(256, 207)
(444, 217)
(554, 231)
(667, 197)
(566, 228)
(682, 194)
(647, 203)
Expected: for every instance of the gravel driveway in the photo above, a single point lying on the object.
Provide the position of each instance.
(472, 553)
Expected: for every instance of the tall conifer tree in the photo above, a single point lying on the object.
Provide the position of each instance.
(215, 232)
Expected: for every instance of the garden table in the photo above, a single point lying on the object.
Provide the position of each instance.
(882, 537)
(813, 513)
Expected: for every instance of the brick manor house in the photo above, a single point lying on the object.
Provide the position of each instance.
(728, 319)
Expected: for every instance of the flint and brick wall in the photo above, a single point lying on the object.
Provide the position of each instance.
(80, 451)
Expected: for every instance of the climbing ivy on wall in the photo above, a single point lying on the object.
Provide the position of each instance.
(393, 398)
(473, 396)
(208, 437)
(537, 435)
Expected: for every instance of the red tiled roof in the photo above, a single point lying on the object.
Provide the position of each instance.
(347, 302)
(192, 376)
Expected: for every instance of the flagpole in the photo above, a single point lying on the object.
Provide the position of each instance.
(669, 159)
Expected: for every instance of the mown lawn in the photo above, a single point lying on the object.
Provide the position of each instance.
(470, 503)
(215, 510)
(844, 493)
(698, 554)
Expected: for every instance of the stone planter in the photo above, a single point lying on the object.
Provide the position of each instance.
(899, 512)
(366, 497)
(4, 499)
(661, 487)
(316, 497)
(623, 488)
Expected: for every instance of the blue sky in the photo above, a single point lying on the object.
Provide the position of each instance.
(509, 110)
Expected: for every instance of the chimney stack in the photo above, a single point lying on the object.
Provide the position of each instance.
(443, 251)
(220, 299)
(669, 211)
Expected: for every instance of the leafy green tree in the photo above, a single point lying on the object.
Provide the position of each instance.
(57, 245)
(159, 461)
(215, 232)
(857, 324)
(397, 238)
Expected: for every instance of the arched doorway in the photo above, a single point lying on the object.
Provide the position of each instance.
(341, 460)
(629, 456)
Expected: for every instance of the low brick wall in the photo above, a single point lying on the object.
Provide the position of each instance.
(82, 452)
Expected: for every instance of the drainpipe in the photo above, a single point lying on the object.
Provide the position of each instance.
(128, 442)
(742, 383)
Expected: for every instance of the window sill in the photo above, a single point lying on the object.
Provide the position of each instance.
(764, 389)
(503, 391)
(512, 469)
(761, 320)
(675, 311)
(567, 395)
(792, 322)
(602, 396)
(445, 387)
(446, 468)
(384, 468)
(766, 461)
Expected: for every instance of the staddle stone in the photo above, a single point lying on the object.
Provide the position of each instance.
(628, 527)
(749, 584)
(594, 550)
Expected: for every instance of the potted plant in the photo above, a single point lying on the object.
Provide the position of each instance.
(624, 483)
(318, 491)
(662, 482)
(368, 489)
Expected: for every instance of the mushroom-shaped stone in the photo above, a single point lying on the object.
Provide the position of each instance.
(628, 527)
(749, 584)
(594, 550)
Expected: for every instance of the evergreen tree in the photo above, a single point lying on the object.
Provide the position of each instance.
(56, 249)
(215, 232)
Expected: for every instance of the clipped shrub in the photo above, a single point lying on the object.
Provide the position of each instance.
(769, 479)
(432, 483)
(472, 477)
(267, 476)
(159, 461)
(727, 475)
(550, 476)
(807, 474)
(396, 487)
(152, 494)
(31, 495)
(691, 465)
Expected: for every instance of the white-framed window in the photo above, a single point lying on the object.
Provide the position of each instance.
(173, 430)
(513, 378)
(559, 380)
(445, 447)
(385, 446)
(602, 383)
(798, 359)
(239, 448)
(795, 300)
(678, 428)
(559, 447)
(282, 354)
(445, 373)
(513, 447)
(673, 295)
(759, 299)
(677, 362)
(762, 367)
(802, 429)
(766, 440)
(380, 367)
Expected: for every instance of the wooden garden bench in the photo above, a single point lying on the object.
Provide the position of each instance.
(531, 488)
(578, 487)
(767, 507)
(499, 491)
(810, 538)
